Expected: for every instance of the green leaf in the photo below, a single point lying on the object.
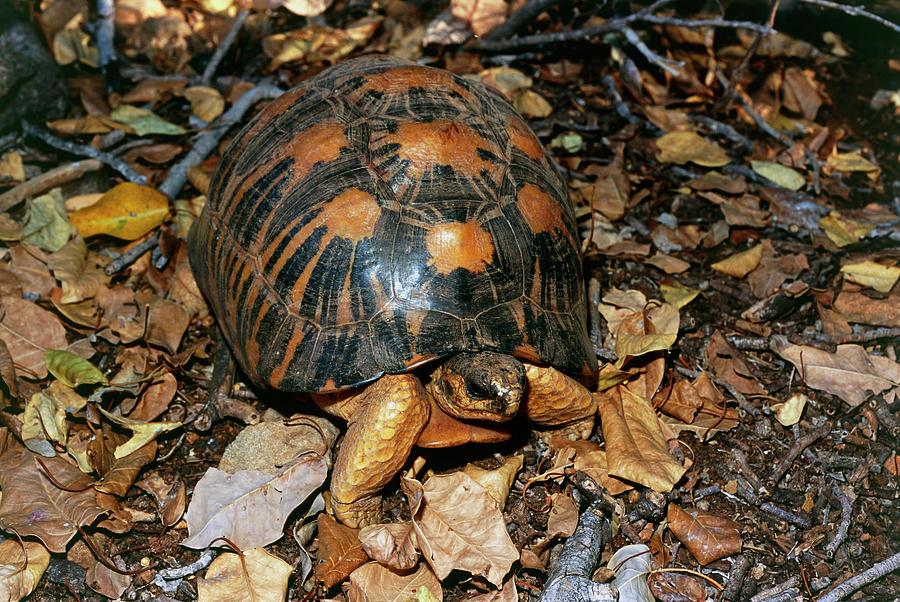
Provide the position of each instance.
(47, 226)
(145, 122)
(71, 369)
(781, 175)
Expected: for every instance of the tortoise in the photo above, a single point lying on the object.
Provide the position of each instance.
(392, 240)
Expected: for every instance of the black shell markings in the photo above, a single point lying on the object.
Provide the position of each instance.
(381, 215)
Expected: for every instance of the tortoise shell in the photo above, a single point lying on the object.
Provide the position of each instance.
(383, 214)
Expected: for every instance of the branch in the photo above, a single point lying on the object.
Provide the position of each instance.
(854, 11)
(224, 46)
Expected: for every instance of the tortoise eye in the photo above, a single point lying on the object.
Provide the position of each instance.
(477, 388)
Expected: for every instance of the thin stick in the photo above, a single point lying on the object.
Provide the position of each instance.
(797, 449)
(877, 571)
(87, 151)
(46, 181)
(519, 19)
(220, 52)
(855, 11)
(207, 141)
(106, 31)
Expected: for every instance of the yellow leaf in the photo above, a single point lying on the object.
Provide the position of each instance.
(788, 413)
(842, 230)
(143, 432)
(532, 104)
(853, 161)
(781, 175)
(681, 147)
(206, 103)
(676, 294)
(11, 169)
(740, 264)
(128, 211)
(868, 273)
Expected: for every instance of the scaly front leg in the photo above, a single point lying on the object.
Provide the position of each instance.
(381, 433)
(558, 401)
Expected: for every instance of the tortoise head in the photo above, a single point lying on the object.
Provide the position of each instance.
(483, 385)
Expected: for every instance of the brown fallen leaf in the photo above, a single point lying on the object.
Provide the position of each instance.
(391, 544)
(740, 264)
(849, 373)
(28, 330)
(481, 15)
(256, 576)
(636, 449)
(458, 526)
(498, 481)
(123, 471)
(774, 270)
(682, 147)
(591, 459)
(373, 582)
(707, 537)
(856, 307)
(249, 507)
(79, 277)
(170, 497)
(728, 364)
(30, 269)
(22, 564)
(667, 586)
(33, 505)
(340, 552)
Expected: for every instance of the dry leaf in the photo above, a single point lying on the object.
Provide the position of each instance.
(868, 273)
(740, 264)
(206, 102)
(631, 563)
(591, 459)
(27, 331)
(849, 162)
(391, 544)
(482, 15)
(79, 277)
(11, 169)
(849, 373)
(668, 264)
(249, 507)
(18, 578)
(676, 294)
(373, 582)
(340, 552)
(844, 231)
(458, 526)
(682, 147)
(856, 307)
(145, 122)
(257, 576)
(781, 175)
(789, 412)
(498, 481)
(142, 432)
(128, 211)
(707, 537)
(33, 505)
(636, 449)
(728, 364)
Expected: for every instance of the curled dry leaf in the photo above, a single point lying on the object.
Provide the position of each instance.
(206, 102)
(789, 412)
(47, 226)
(340, 552)
(498, 481)
(850, 372)
(79, 277)
(868, 273)
(458, 526)
(72, 370)
(631, 565)
(844, 231)
(141, 432)
(636, 449)
(18, 578)
(391, 544)
(728, 364)
(707, 537)
(249, 507)
(666, 586)
(740, 264)
(373, 582)
(256, 576)
(170, 497)
(591, 459)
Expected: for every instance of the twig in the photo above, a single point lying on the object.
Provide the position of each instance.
(759, 121)
(855, 337)
(106, 31)
(852, 584)
(609, 86)
(854, 11)
(220, 52)
(724, 130)
(846, 515)
(643, 15)
(736, 576)
(669, 66)
(519, 19)
(130, 256)
(87, 151)
(207, 141)
(797, 449)
(784, 515)
(728, 95)
(773, 591)
(570, 577)
(46, 181)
